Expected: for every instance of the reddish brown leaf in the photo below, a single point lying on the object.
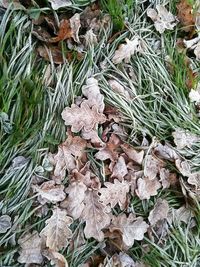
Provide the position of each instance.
(63, 33)
(185, 16)
(51, 51)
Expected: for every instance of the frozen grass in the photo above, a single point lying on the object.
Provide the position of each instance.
(159, 106)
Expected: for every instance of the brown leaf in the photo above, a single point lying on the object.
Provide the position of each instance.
(31, 246)
(185, 15)
(56, 258)
(57, 230)
(131, 227)
(152, 166)
(82, 117)
(133, 154)
(64, 32)
(52, 52)
(147, 188)
(93, 137)
(118, 88)
(159, 212)
(120, 169)
(114, 193)
(165, 152)
(95, 216)
(183, 214)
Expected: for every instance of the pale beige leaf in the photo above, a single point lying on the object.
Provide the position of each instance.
(131, 228)
(82, 117)
(147, 188)
(159, 212)
(194, 44)
(5, 223)
(93, 137)
(120, 169)
(57, 259)
(30, 248)
(57, 230)
(118, 88)
(184, 138)
(114, 193)
(165, 178)
(95, 216)
(76, 195)
(194, 179)
(183, 166)
(163, 19)
(56, 4)
(165, 152)
(125, 51)
(133, 154)
(90, 38)
(49, 191)
(183, 214)
(75, 26)
(152, 166)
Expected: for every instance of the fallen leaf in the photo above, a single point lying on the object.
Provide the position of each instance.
(64, 32)
(120, 169)
(90, 38)
(51, 53)
(183, 214)
(5, 223)
(75, 26)
(118, 88)
(183, 166)
(147, 188)
(165, 152)
(125, 51)
(194, 44)
(152, 166)
(56, 4)
(132, 228)
(30, 248)
(82, 117)
(49, 191)
(57, 259)
(184, 138)
(114, 193)
(165, 178)
(133, 154)
(93, 137)
(185, 15)
(95, 216)
(57, 230)
(159, 212)
(162, 18)
(194, 94)
(194, 179)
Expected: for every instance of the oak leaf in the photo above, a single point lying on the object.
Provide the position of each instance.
(184, 138)
(152, 166)
(51, 52)
(57, 259)
(147, 188)
(118, 88)
(120, 169)
(114, 193)
(165, 152)
(159, 212)
(75, 26)
(185, 15)
(57, 230)
(132, 228)
(133, 154)
(5, 223)
(64, 32)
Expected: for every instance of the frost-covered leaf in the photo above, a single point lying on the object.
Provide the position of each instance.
(76, 195)
(183, 214)
(57, 259)
(57, 230)
(183, 166)
(152, 166)
(118, 88)
(56, 4)
(184, 138)
(120, 169)
(75, 26)
(131, 227)
(194, 179)
(133, 154)
(50, 191)
(5, 223)
(125, 51)
(93, 137)
(165, 152)
(159, 212)
(165, 178)
(95, 215)
(147, 188)
(31, 246)
(194, 94)
(162, 18)
(82, 117)
(114, 193)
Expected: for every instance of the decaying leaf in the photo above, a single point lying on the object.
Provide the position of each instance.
(125, 51)
(183, 166)
(194, 44)
(185, 15)
(95, 215)
(82, 117)
(56, 4)
(75, 26)
(114, 193)
(64, 32)
(162, 18)
(120, 169)
(31, 246)
(5, 223)
(165, 152)
(57, 230)
(194, 179)
(57, 259)
(152, 166)
(184, 138)
(183, 214)
(133, 154)
(52, 52)
(147, 188)
(76, 195)
(131, 227)
(165, 178)
(118, 88)
(159, 212)
(194, 94)
(93, 137)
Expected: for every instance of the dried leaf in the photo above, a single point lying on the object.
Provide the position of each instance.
(90, 38)
(147, 188)
(165, 152)
(185, 15)
(57, 259)
(51, 52)
(165, 178)
(31, 245)
(5, 223)
(114, 193)
(118, 88)
(57, 230)
(183, 214)
(82, 117)
(56, 4)
(131, 228)
(152, 166)
(64, 32)
(75, 26)
(95, 216)
(159, 212)
(183, 166)
(50, 192)
(76, 195)
(194, 95)
(194, 179)
(184, 138)
(133, 154)
(120, 169)
(93, 137)
(162, 18)
(125, 51)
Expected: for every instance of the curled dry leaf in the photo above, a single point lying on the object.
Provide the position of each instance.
(57, 259)
(131, 228)
(49, 191)
(120, 169)
(159, 212)
(125, 51)
(93, 137)
(185, 15)
(147, 188)
(133, 154)
(194, 44)
(165, 178)
(194, 179)
(31, 245)
(165, 152)
(118, 88)
(52, 52)
(152, 166)
(5, 223)
(162, 18)
(183, 166)
(64, 32)
(75, 26)
(57, 230)
(95, 216)
(114, 193)
(184, 138)
(76, 195)
(82, 117)
(56, 4)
